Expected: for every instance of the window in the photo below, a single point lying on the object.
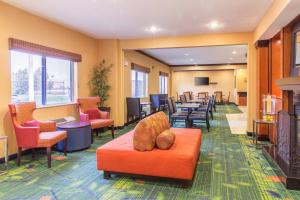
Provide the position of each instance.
(163, 84)
(45, 80)
(139, 84)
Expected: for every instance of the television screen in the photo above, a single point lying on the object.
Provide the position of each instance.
(201, 80)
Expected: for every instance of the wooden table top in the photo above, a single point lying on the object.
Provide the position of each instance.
(189, 105)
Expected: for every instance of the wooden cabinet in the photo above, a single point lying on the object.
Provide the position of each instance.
(242, 98)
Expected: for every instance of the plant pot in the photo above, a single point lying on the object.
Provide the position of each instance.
(104, 108)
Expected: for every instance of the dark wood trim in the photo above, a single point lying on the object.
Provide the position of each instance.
(295, 30)
(204, 65)
(163, 74)
(262, 43)
(140, 68)
(194, 70)
(152, 57)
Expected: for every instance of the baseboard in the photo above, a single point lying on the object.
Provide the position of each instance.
(14, 156)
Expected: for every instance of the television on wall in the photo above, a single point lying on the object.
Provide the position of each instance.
(201, 80)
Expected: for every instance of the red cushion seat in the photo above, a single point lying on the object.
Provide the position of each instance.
(178, 162)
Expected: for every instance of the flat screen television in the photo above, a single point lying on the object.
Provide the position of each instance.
(201, 80)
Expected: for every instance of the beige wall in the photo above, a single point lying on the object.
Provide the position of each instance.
(22, 25)
(185, 81)
(241, 80)
(132, 56)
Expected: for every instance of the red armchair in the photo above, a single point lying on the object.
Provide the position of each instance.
(30, 133)
(89, 112)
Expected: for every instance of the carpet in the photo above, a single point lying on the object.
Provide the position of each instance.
(230, 167)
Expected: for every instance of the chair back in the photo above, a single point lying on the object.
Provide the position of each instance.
(228, 98)
(218, 96)
(163, 99)
(170, 106)
(21, 113)
(182, 98)
(88, 103)
(155, 101)
(133, 107)
(209, 105)
(173, 104)
(188, 95)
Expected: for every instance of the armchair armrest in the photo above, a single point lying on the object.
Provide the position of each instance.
(84, 117)
(104, 115)
(27, 136)
(47, 126)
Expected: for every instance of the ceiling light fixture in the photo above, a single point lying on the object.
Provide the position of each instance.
(191, 59)
(153, 29)
(186, 54)
(215, 25)
(230, 58)
(234, 52)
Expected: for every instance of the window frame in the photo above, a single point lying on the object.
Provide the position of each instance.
(72, 79)
(133, 94)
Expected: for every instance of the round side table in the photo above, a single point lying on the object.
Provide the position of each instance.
(79, 136)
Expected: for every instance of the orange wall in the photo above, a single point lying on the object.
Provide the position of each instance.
(22, 25)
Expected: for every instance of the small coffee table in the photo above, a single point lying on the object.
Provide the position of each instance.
(255, 127)
(79, 136)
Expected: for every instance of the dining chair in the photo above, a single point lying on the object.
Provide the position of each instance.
(134, 109)
(219, 97)
(227, 100)
(201, 116)
(154, 103)
(175, 116)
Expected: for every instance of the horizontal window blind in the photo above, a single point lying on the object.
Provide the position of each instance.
(140, 68)
(163, 74)
(28, 47)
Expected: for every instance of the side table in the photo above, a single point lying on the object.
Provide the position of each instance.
(79, 136)
(5, 144)
(255, 127)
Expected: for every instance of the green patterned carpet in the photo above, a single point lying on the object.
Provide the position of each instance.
(230, 167)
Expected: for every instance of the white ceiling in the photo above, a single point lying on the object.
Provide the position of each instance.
(200, 55)
(125, 19)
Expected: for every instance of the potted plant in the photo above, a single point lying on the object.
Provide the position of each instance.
(99, 83)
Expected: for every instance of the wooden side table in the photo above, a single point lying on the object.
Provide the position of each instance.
(5, 144)
(255, 127)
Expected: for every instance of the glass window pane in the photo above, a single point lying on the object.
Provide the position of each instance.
(25, 79)
(58, 81)
(139, 81)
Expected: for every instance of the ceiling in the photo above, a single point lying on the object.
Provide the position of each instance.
(133, 18)
(209, 55)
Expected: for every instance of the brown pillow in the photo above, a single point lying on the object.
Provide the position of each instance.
(165, 140)
(144, 136)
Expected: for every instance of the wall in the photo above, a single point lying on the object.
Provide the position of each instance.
(203, 40)
(22, 25)
(185, 81)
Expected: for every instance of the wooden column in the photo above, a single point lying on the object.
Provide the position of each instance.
(264, 80)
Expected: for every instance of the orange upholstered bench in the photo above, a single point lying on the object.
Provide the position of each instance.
(179, 162)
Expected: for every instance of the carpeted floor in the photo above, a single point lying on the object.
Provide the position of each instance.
(230, 167)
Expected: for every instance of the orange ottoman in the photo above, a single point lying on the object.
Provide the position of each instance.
(179, 162)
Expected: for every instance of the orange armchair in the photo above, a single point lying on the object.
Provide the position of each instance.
(33, 134)
(89, 112)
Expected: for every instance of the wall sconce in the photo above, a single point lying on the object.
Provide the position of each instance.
(126, 63)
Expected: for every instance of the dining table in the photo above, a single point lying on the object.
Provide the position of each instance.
(189, 106)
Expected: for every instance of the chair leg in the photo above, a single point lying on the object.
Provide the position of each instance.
(65, 146)
(207, 125)
(49, 156)
(113, 131)
(32, 153)
(19, 156)
(211, 114)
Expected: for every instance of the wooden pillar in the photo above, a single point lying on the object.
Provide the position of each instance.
(264, 79)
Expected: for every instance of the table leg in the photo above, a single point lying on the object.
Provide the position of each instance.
(256, 133)
(253, 129)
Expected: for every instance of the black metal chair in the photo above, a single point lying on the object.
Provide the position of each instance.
(201, 116)
(204, 107)
(182, 99)
(163, 101)
(175, 116)
(134, 109)
(155, 103)
(214, 102)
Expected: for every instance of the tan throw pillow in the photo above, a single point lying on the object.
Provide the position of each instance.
(144, 136)
(165, 140)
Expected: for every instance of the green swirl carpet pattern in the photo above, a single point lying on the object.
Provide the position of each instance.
(230, 167)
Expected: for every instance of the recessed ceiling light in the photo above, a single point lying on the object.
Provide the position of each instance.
(153, 29)
(234, 52)
(186, 54)
(191, 59)
(215, 25)
(230, 58)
